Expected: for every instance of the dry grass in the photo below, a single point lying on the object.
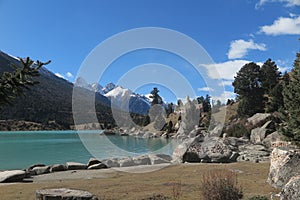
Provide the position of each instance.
(184, 180)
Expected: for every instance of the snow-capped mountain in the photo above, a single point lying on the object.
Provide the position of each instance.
(120, 97)
(96, 87)
(126, 100)
(109, 87)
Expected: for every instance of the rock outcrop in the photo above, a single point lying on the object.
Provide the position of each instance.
(260, 133)
(75, 166)
(253, 153)
(284, 164)
(12, 176)
(291, 190)
(208, 149)
(258, 118)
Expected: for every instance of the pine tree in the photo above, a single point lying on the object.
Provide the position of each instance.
(13, 84)
(269, 76)
(247, 84)
(291, 97)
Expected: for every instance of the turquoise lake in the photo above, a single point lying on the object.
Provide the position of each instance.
(19, 150)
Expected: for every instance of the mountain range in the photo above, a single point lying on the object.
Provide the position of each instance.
(51, 100)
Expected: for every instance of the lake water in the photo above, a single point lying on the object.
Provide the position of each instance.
(19, 150)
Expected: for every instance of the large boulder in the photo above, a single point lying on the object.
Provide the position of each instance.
(260, 133)
(40, 170)
(64, 193)
(114, 162)
(93, 161)
(181, 149)
(212, 149)
(126, 162)
(258, 118)
(284, 164)
(217, 131)
(58, 168)
(98, 166)
(142, 160)
(291, 190)
(156, 159)
(273, 139)
(12, 176)
(75, 166)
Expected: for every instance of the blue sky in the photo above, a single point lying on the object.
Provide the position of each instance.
(233, 32)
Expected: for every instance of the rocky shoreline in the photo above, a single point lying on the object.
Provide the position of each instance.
(26, 175)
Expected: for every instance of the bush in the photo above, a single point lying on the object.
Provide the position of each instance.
(258, 198)
(220, 185)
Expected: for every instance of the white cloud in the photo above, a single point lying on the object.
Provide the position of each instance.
(240, 48)
(206, 89)
(226, 83)
(283, 26)
(226, 70)
(59, 75)
(288, 3)
(224, 96)
(69, 75)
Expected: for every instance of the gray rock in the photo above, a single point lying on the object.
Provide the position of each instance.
(258, 118)
(35, 165)
(253, 153)
(114, 162)
(12, 176)
(164, 156)
(155, 160)
(212, 149)
(93, 161)
(64, 194)
(58, 168)
(260, 133)
(98, 166)
(40, 170)
(217, 131)
(272, 139)
(284, 164)
(180, 150)
(291, 190)
(127, 162)
(75, 166)
(142, 160)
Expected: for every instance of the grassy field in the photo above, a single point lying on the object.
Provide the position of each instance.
(120, 185)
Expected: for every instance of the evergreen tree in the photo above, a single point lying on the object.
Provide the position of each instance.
(247, 84)
(291, 97)
(269, 76)
(13, 84)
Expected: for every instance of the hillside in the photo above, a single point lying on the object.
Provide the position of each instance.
(50, 100)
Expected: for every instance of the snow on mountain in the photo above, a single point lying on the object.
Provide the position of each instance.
(126, 100)
(96, 87)
(119, 93)
(108, 88)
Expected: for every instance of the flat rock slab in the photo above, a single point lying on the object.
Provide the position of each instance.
(75, 166)
(64, 194)
(12, 176)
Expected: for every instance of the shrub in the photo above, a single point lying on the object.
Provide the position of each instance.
(220, 185)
